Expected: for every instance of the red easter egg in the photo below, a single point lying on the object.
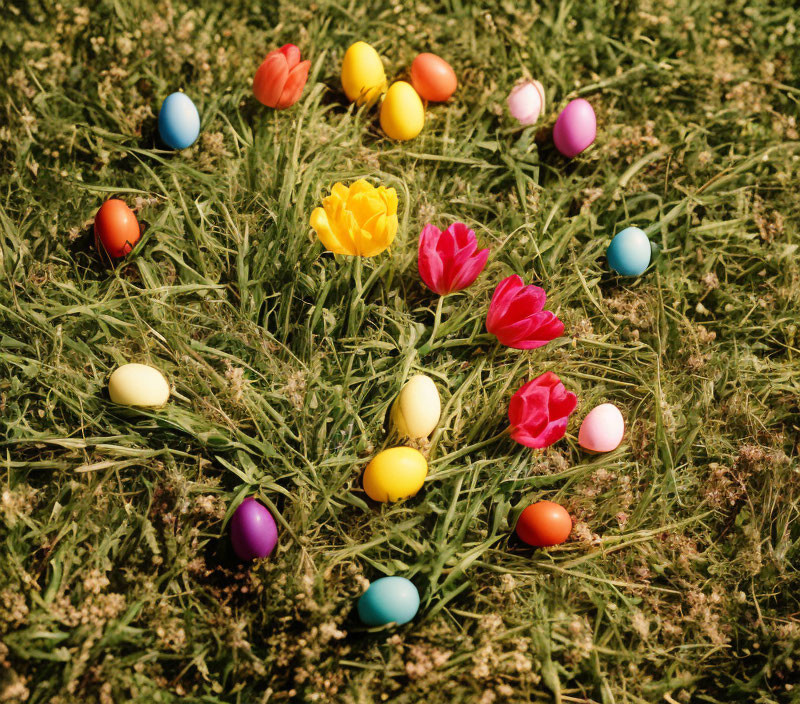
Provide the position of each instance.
(544, 524)
(433, 78)
(116, 228)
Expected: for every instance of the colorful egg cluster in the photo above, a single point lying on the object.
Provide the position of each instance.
(402, 113)
(361, 220)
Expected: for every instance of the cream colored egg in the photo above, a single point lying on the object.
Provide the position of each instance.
(418, 407)
(138, 385)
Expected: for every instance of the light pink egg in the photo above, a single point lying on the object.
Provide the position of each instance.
(602, 429)
(576, 128)
(526, 102)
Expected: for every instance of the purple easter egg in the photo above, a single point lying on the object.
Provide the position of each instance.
(576, 128)
(253, 530)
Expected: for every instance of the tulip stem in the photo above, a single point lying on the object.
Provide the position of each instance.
(428, 346)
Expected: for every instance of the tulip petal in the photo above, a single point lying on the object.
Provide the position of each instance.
(501, 299)
(292, 54)
(531, 332)
(389, 196)
(552, 433)
(321, 225)
(562, 402)
(462, 234)
(454, 263)
(429, 263)
(295, 83)
(528, 301)
(539, 411)
(391, 228)
(270, 79)
(360, 186)
(469, 271)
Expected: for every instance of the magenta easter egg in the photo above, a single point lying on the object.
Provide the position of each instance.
(576, 128)
(602, 429)
(253, 530)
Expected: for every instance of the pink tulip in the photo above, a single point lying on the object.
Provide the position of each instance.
(540, 410)
(526, 102)
(516, 316)
(280, 79)
(448, 261)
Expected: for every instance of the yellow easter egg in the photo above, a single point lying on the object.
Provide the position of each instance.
(363, 78)
(402, 113)
(417, 409)
(138, 385)
(395, 474)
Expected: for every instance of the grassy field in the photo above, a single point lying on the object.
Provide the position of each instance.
(680, 581)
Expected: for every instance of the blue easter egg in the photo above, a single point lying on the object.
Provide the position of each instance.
(388, 599)
(178, 121)
(629, 252)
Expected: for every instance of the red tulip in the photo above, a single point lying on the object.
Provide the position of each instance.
(516, 316)
(280, 79)
(448, 261)
(539, 411)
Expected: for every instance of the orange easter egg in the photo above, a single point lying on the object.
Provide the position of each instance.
(433, 78)
(116, 228)
(544, 524)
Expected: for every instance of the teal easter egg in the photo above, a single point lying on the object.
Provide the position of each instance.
(387, 600)
(178, 121)
(629, 252)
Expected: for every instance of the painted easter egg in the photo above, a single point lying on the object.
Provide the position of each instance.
(138, 385)
(402, 113)
(602, 429)
(178, 121)
(395, 474)
(544, 524)
(254, 533)
(388, 600)
(417, 409)
(576, 128)
(116, 228)
(433, 78)
(526, 102)
(363, 77)
(629, 252)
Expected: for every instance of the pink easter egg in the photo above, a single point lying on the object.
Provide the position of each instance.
(526, 102)
(576, 128)
(602, 429)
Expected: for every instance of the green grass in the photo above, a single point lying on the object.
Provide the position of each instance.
(680, 581)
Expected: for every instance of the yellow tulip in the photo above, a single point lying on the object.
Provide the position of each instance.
(359, 220)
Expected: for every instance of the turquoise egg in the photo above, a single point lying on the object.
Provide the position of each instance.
(629, 252)
(388, 599)
(178, 121)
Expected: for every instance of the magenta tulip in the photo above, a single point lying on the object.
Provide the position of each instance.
(449, 260)
(540, 410)
(516, 316)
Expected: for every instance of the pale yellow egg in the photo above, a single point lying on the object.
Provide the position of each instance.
(417, 409)
(138, 385)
